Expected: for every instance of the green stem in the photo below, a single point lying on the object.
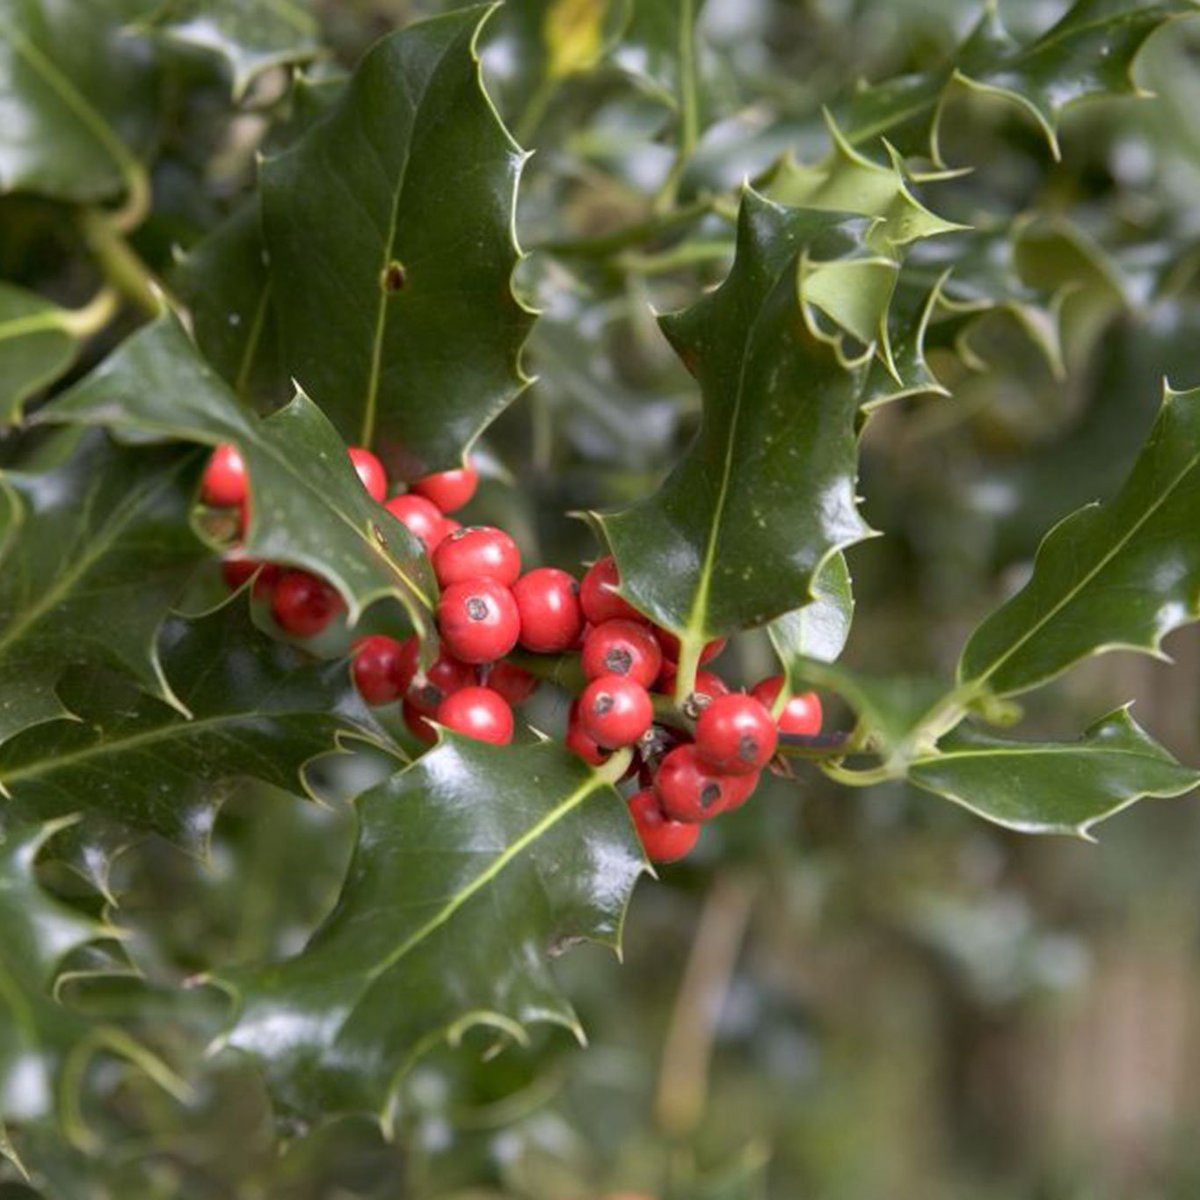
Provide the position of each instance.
(690, 650)
(672, 260)
(121, 265)
(535, 110)
(93, 316)
(689, 106)
(850, 777)
(615, 767)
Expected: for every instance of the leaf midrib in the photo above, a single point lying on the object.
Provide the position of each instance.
(493, 869)
(1104, 561)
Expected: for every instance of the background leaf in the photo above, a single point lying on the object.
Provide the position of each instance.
(515, 852)
(1047, 787)
(1116, 576)
(256, 708)
(94, 550)
(390, 228)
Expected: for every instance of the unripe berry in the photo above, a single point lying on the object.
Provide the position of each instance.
(445, 677)
(514, 683)
(449, 490)
(477, 552)
(735, 735)
(302, 604)
(420, 517)
(615, 711)
(370, 472)
(224, 483)
(663, 839)
(802, 712)
(383, 667)
(478, 620)
(688, 790)
(597, 594)
(620, 647)
(671, 647)
(548, 601)
(480, 713)
(580, 742)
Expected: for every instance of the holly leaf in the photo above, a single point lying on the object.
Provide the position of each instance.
(1087, 54)
(308, 507)
(255, 707)
(225, 283)
(765, 495)
(389, 226)
(94, 550)
(819, 630)
(514, 853)
(251, 36)
(1120, 575)
(38, 343)
(903, 371)
(38, 1034)
(1053, 787)
(77, 91)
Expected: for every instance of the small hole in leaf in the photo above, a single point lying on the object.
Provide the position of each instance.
(393, 278)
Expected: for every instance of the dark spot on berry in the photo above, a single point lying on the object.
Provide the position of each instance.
(602, 704)
(574, 587)
(477, 609)
(429, 696)
(710, 794)
(393, 278)
(747, 748)
(618, 661)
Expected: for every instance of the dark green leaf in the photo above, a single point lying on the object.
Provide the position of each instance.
(819, 630)
(1087, 54)
(225, 283)
(95, 550)
(473, 867)
(250, 35)
(76, 90)
(308, 507)
(1116, 576)
(766, 493)
(1039, 787)
(257, 708)
(389, 227)
(38, 342)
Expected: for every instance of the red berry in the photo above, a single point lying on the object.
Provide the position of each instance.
(477, 552)
(478, 620)
(479, 713)
(224, 483)
(383, 667)
(236, 570)
(671, 647)
(417, 725)
(690, 791)
(445, 677)
(580, 742)
(548, 601)
(514, 683)
(663, 839)
(302, 604)
(264, 583)
(449, 490)
(597, 594)
(615, 711)
(735, 735)
(370, 471)
(420, 517)
(801, 713)
(708, 684)
(621, 647)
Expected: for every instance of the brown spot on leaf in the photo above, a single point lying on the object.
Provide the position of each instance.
(393, 278)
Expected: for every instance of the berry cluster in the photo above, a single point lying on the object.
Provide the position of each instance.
(693, 759)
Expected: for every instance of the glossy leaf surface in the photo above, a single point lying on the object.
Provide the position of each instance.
(308, 507)
(1038, 787)
(389, 226)
(473, 867)
(1117, 575)
(36, 346)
